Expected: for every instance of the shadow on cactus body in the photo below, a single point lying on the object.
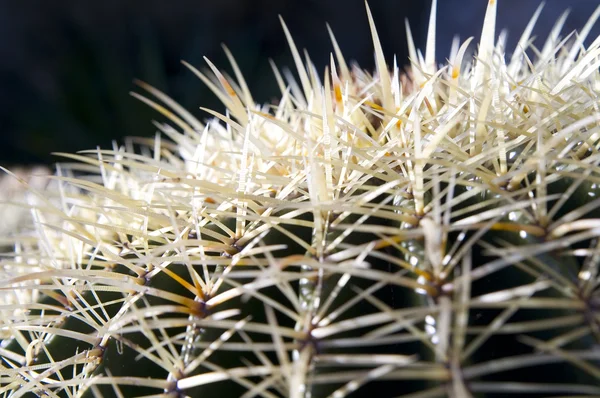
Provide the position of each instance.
(423, 234)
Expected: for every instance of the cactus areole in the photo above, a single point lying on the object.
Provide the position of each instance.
(427, 231)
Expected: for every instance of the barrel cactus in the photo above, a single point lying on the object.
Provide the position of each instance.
(422, 232)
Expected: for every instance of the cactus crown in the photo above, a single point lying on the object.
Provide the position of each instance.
(429, 233)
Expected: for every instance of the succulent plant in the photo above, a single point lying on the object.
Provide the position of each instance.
(425, 233)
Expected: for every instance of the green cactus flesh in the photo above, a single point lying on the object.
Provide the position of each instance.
(426, 233)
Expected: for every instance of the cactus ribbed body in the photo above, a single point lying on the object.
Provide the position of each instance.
(424, 234)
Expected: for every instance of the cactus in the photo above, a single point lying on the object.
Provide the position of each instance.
(426, 233)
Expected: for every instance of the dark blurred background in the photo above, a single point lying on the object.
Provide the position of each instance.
(66, 67)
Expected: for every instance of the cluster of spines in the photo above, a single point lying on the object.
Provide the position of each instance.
(338, 239)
